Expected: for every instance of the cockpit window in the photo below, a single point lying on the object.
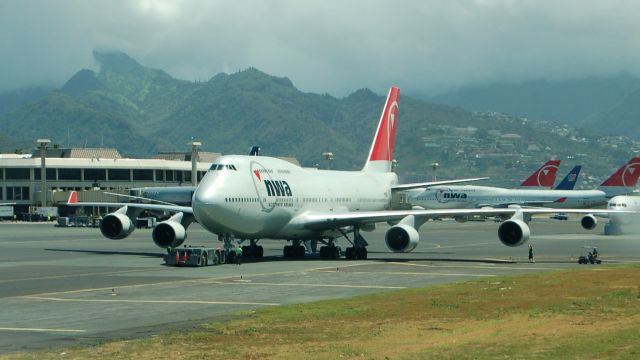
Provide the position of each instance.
(618, 205)
(215, 167)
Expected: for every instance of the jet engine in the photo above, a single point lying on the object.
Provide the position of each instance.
(402, 238)
(169, 234)
(514, 232)
(116, 226)
(461, 219)
(589, 222)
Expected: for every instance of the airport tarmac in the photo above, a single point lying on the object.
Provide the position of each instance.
(70, 286)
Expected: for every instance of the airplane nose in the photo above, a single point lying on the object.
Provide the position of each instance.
(199, 198)
(202, 206)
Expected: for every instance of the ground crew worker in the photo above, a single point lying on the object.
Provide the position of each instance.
(15, 218)
(238, 255)
(531, 259)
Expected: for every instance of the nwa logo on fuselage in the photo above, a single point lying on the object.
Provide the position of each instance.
(277, 188)
(267, 187)
(446, 195)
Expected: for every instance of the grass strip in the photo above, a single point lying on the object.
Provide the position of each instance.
(591, 313)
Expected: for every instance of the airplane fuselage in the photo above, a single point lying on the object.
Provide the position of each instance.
(470, 196)
(253, 197)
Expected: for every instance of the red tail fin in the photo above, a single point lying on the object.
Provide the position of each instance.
(381, 153)
(626, 176)
(545, 176)
(73, 198)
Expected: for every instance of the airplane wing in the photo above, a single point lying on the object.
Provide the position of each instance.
(73, 201)
(433, 183)
(332, 220)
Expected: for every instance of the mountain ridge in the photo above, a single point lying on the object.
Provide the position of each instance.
(141, 111)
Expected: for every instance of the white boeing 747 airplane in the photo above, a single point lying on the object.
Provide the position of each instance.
(250, 198)
(623, 181)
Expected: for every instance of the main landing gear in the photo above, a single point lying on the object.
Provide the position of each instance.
(295, 251)
(359, 249)
(330, 251)
(252, 251)
(356, 252)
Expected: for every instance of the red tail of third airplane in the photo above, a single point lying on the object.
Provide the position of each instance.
(624, 180)
(544, 177)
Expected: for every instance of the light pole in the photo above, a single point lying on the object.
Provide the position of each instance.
(42, 144)
(194, 162)
(328, 156)
(434, 166)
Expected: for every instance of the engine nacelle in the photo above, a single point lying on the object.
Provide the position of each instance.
(514, 232)
(116, 226)
(169, 234)
(402, 238)
(589, 222)
(461, 219)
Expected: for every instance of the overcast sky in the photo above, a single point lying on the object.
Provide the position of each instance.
(332, 46)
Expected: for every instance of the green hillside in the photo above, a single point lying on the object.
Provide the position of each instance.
(621, 119)
(141, 111)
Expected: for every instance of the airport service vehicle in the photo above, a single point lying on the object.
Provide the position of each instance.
(471, 196)
(195, 256)
(251, 198)
(589, 255)
(544, 177)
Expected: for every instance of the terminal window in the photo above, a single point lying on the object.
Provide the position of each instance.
(142, 174)
(69, 174)
(51, 174)
(119, 174)
(18, 173)
(159, 175)
(1, 174)
(169, 174)
(17, 193)
(95, 174)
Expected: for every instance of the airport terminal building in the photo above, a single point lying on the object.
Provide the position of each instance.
(90, 170)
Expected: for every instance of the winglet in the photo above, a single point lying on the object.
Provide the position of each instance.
(73, 197)
(381, 153)
(545, 176)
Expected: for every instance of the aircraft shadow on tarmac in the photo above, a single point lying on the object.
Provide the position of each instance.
(316, 257)
(110, 252)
